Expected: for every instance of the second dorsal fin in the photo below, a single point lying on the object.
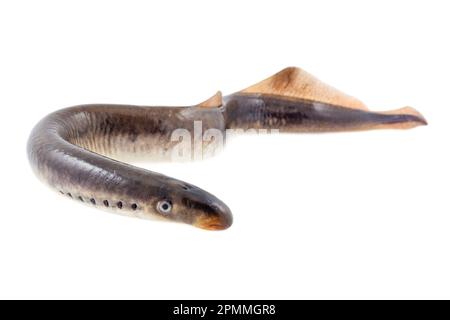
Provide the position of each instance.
(296, 83)
(214, 102)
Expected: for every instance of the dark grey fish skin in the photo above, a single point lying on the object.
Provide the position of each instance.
(69, 150)
(296, 115)
(77, 150)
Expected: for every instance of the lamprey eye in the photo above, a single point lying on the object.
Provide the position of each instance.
(164, 206)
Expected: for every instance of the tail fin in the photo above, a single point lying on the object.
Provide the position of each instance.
(294, 83)
(403, 118)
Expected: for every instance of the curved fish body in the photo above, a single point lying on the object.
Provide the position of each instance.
(82, 151)
(75, 151)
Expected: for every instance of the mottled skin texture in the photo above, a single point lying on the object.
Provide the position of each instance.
(77, 150)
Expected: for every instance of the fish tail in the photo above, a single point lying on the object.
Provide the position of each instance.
(403, 118)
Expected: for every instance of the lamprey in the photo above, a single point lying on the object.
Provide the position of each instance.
(81, 151)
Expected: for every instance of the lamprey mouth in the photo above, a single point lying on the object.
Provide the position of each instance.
(219, 221)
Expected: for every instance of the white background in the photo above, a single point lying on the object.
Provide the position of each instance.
(349, 215)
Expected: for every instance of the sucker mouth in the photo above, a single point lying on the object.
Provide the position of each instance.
(219, 222)
(215, 227)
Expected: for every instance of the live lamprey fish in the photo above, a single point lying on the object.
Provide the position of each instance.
(81, 151)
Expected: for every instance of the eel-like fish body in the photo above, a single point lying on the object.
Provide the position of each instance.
(81, 151)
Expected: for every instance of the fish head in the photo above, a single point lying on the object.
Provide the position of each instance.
(189, 204)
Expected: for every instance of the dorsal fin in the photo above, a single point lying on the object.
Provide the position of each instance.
(214, 102)
(296, 83)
